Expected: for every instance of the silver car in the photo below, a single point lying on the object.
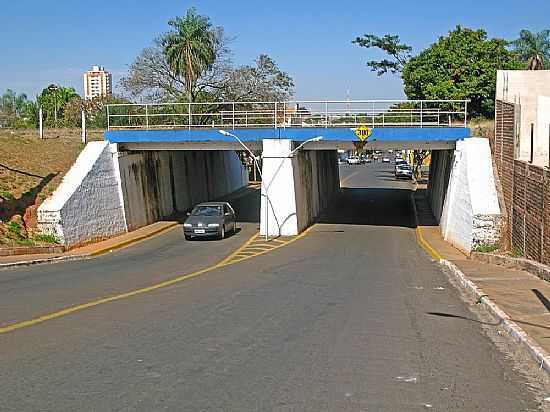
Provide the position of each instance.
(212, 219)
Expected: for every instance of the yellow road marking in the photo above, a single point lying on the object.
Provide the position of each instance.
(231, 259)
(425, 245)
(343, 181)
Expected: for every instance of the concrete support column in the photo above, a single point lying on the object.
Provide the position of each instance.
(278, 207)
(296, 188)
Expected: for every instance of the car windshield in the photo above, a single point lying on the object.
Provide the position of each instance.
(207, 211)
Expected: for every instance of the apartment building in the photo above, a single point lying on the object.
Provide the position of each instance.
(97, 82)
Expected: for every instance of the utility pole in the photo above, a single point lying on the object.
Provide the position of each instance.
(40, 123)
(83, 126)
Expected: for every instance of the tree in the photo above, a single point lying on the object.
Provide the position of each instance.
(190, 48)
(53, 100)
(150, 77)
(390, 44)
(94, 109)
(462, 65)
(16, 110)
(533, 48)
(262, 82)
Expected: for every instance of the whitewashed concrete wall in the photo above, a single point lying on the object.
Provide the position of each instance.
(156, 184)
(471, 213)
(86, 206)
(298, 188)
(525, 87)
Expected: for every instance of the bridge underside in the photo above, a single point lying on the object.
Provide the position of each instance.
(440, 138)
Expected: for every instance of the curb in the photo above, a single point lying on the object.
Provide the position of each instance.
(96, 253)
(517, 333)
(43, 261)
(537, 353)
(125, 243)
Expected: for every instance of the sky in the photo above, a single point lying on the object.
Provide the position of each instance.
(55, 41)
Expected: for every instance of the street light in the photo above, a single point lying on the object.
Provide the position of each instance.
(226, 133)
(255, 158)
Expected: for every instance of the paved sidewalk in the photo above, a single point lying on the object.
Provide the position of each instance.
(524, 297)
(94, 249)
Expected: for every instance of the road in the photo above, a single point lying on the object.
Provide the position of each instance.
(344, 319)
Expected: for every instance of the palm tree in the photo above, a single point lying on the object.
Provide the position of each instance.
(533, 48)
(190, 48)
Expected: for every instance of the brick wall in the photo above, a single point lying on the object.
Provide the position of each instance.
(526, 191)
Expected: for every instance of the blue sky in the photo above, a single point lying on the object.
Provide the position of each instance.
(55, 41)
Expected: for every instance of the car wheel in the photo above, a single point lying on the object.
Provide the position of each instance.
(187, 237)
(222, 232)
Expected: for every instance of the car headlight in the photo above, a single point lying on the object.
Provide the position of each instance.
(213, 225)
(187, 225)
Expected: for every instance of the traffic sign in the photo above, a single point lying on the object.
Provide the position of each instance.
(363, 132)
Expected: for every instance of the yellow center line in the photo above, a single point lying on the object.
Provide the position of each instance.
(230, 260)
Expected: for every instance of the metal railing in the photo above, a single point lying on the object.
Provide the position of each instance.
(344, 113)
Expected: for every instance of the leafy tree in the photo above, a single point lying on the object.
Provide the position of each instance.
(462, 65)
(533, 48)
(400, 53)
(190, 48)
(53, 100)
(262, 82)
(95, 111)
(16, 110)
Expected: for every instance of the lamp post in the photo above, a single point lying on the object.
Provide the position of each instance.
(226, 133)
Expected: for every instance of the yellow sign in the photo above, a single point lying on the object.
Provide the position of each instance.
(363, 132)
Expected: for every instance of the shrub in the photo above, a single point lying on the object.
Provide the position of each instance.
(46, 238)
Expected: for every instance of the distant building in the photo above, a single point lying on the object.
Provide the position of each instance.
(97, 83)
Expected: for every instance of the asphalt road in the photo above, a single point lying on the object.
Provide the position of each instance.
(349, 318)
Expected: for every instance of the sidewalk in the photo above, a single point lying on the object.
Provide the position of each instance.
(524, 297)
(94, 249)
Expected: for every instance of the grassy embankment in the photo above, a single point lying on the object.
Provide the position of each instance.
(30, 170)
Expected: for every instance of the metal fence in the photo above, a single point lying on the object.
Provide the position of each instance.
(346, 113)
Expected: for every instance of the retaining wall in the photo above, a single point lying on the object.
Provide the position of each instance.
(86, 206)
(158, 184)
(471, 213)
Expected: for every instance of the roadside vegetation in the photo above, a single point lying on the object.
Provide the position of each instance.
(30, 170)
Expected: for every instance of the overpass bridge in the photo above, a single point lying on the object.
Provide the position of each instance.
(161, 159)
(407, 124)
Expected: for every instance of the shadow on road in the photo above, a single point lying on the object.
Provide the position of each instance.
(370, 206)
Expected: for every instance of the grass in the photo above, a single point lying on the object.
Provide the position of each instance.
(486, 248)
(45, 238)
(30, 170)
(516, 252)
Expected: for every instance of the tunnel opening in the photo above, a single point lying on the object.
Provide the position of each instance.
(371, 193)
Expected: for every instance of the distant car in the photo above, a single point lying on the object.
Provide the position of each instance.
(353, 160)
(403, 171)
(385, 160)
(368, 159)
(212, 219)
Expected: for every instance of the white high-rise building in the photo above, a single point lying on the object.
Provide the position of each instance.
(97, 82)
